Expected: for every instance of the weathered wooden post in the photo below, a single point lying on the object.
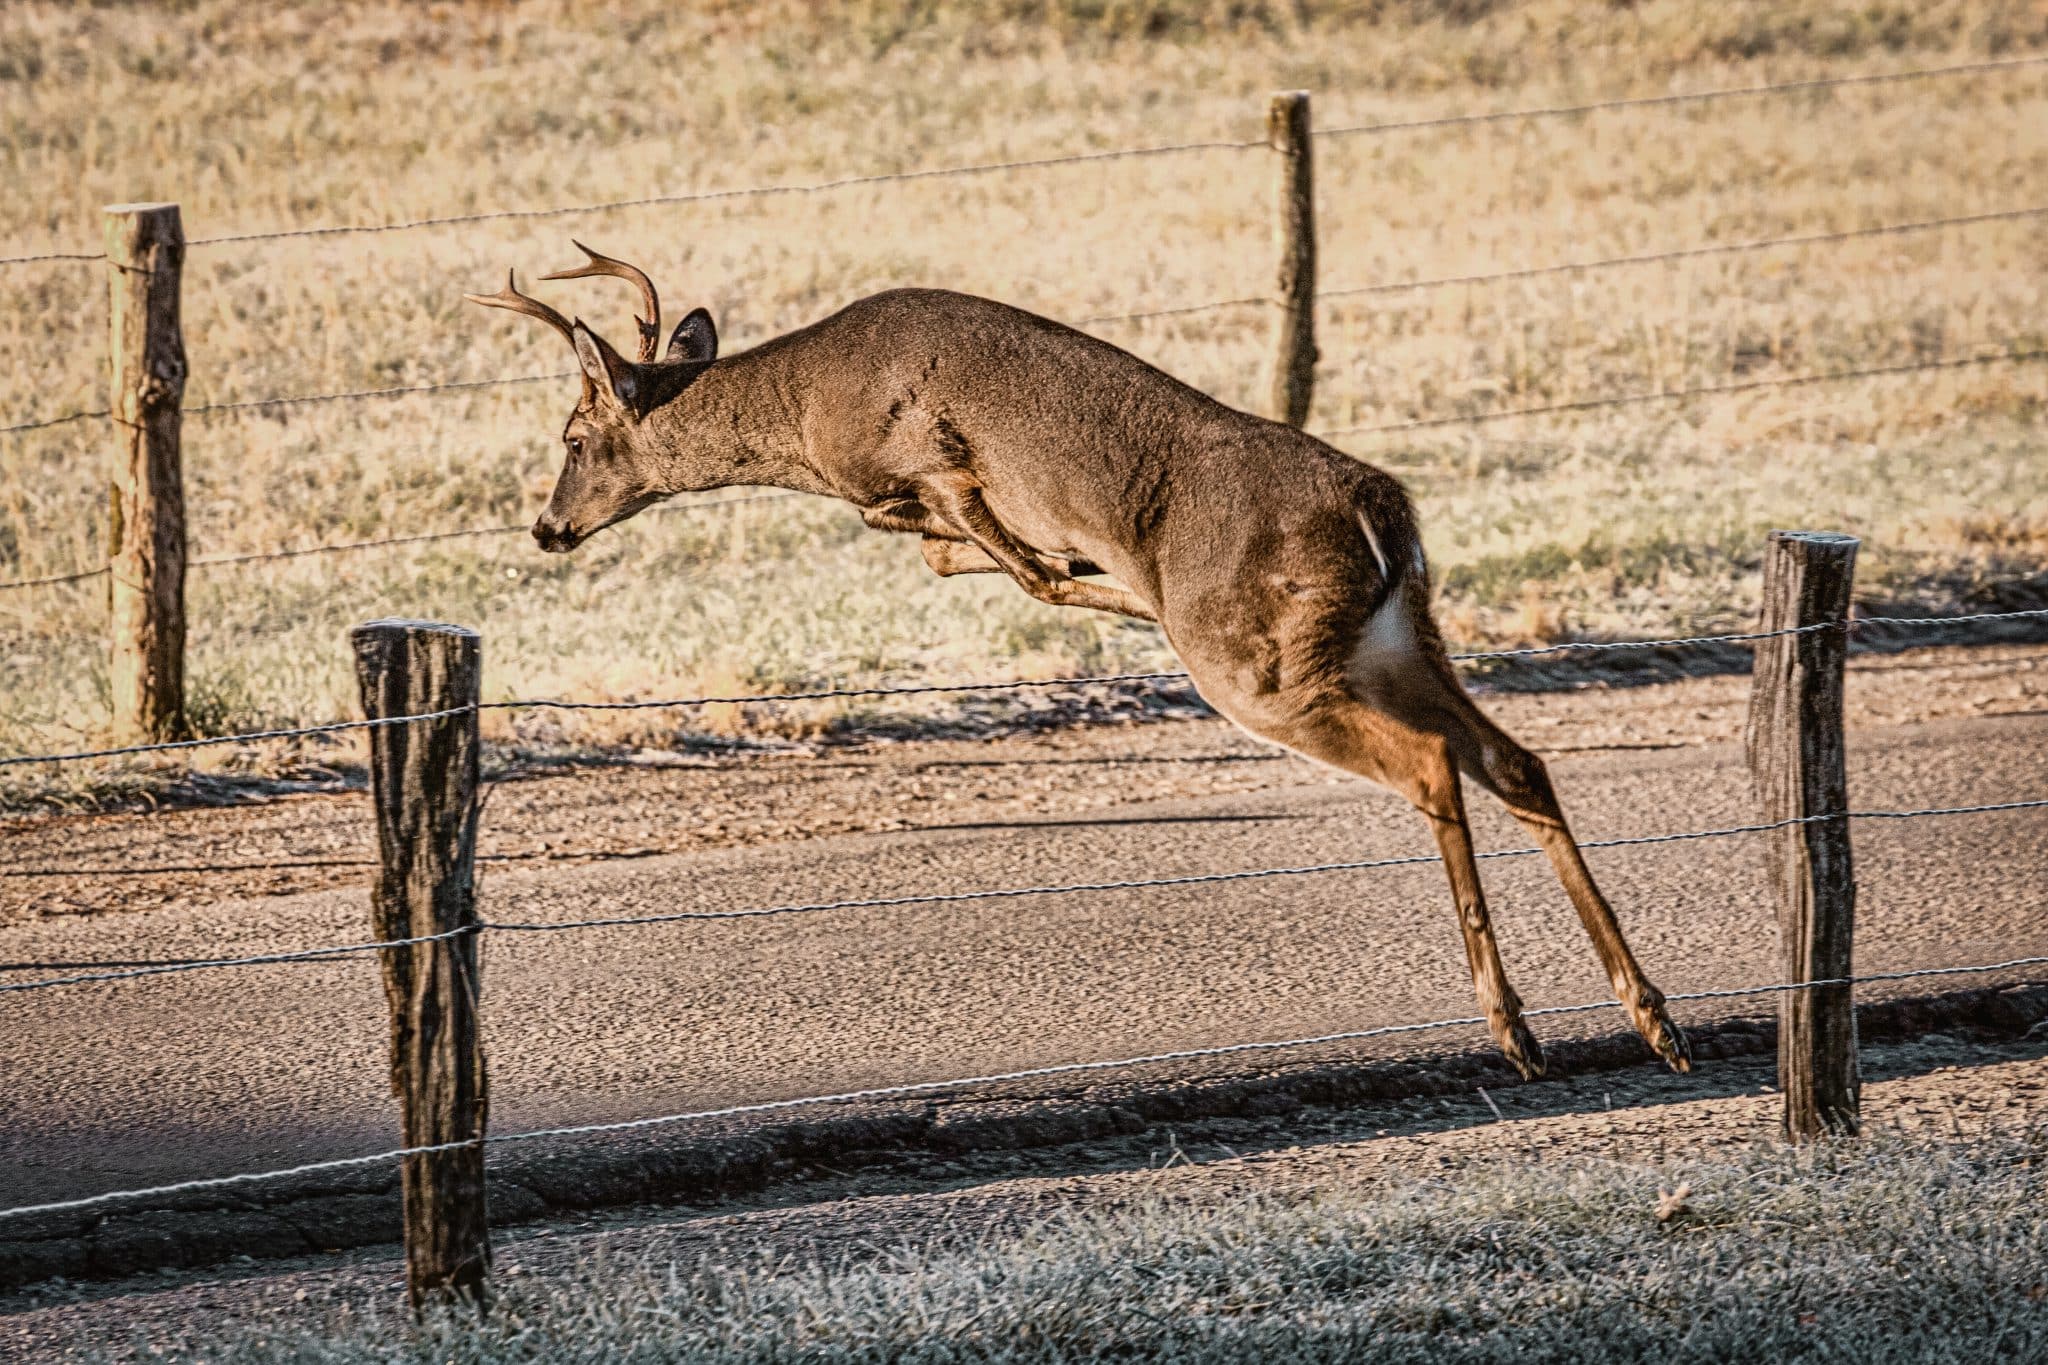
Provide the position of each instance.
(146, 512)
(1797, 768)
(1294, 234)
(423, 782)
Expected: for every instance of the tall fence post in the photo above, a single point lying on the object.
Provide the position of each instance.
(1294, 234)
(146, 512)
(423, 782)
(1798, 770)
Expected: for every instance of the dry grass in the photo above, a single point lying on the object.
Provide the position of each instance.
(1632, 519)
(1890, 1250)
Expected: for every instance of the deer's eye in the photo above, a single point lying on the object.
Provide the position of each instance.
(575, 445)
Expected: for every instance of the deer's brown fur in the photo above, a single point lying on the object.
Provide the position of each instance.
(1288, 576)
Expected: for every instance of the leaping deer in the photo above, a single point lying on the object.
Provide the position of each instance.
(1288, 576)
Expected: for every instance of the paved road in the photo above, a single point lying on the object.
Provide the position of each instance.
(129, 1083)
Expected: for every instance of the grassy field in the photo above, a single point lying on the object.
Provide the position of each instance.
(1608, 522)
(1881, 1251)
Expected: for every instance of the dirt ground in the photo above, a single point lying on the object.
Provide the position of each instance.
(87, 864)
(1946, 1087)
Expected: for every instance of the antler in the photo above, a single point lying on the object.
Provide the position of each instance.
(510, 298)
(650, 326)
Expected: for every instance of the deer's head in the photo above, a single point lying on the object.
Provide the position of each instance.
(615, 463)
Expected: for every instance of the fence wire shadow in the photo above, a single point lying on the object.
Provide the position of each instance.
(887, 1092)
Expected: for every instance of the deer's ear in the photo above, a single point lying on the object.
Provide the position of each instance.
(604, 367)
(695, 338)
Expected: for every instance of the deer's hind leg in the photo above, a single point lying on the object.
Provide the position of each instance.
(1522, 783)
(1339, 730)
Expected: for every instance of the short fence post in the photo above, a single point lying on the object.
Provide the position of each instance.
(146, 513)
(1797, 768)
(1294, 233)
(423, 781)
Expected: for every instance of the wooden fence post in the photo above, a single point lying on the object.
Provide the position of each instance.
(1294, 233)
(1797, 768)
(423, 781)
(146, 513)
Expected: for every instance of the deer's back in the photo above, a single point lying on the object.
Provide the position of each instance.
(1083, 447)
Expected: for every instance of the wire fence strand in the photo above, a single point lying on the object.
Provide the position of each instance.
(39, 423)
(742, 192)
(1981, 68)
(424, 537)
(1215, 878)
(1226, 1050)
(1016, 684)
(332, 727)
(1675, 395)
(1673, 254)
(300, 399)
(1181, 310)
(1861, 621)
(1977, 68)
(54, 256)
(208, 964)
(959, 897)
(886, 1092)
(53, 580)
(400, 391)
(1600, 263)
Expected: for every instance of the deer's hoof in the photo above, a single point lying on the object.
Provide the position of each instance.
(1668, 1041)
(1520, 1047)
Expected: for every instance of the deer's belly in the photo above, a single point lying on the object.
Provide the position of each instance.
(1063, 533)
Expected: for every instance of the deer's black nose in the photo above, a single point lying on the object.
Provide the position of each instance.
(555, 538)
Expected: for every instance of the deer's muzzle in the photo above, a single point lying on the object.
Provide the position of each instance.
(556, 537)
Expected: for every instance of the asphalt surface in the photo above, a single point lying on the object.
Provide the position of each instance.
(116, 1085)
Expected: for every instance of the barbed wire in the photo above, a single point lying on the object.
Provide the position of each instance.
(1695, 97)
(1015, 684)
(884, 1092)
(1702, 391)
(1079, 158)
(331, 727)
(293, 400)
(1857, 623)
(1601, 263)
(207, 964)
(1733, 637)
(1214, 878)
(996, 893)
(257, 556)
(54, 256)
(827, 693)
(743, 192)
(1677, 254)
(39, 423)
(1177, 311)
(299, 399)
(52, 580)
(1398, 287)
(1230, 1049)
(301, 551)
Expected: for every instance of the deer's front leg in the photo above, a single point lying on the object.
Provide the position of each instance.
(946, 550)
(961, 502)
(908, 515)
(949, 557)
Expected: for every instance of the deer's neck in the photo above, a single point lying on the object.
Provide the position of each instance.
(740, 422)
